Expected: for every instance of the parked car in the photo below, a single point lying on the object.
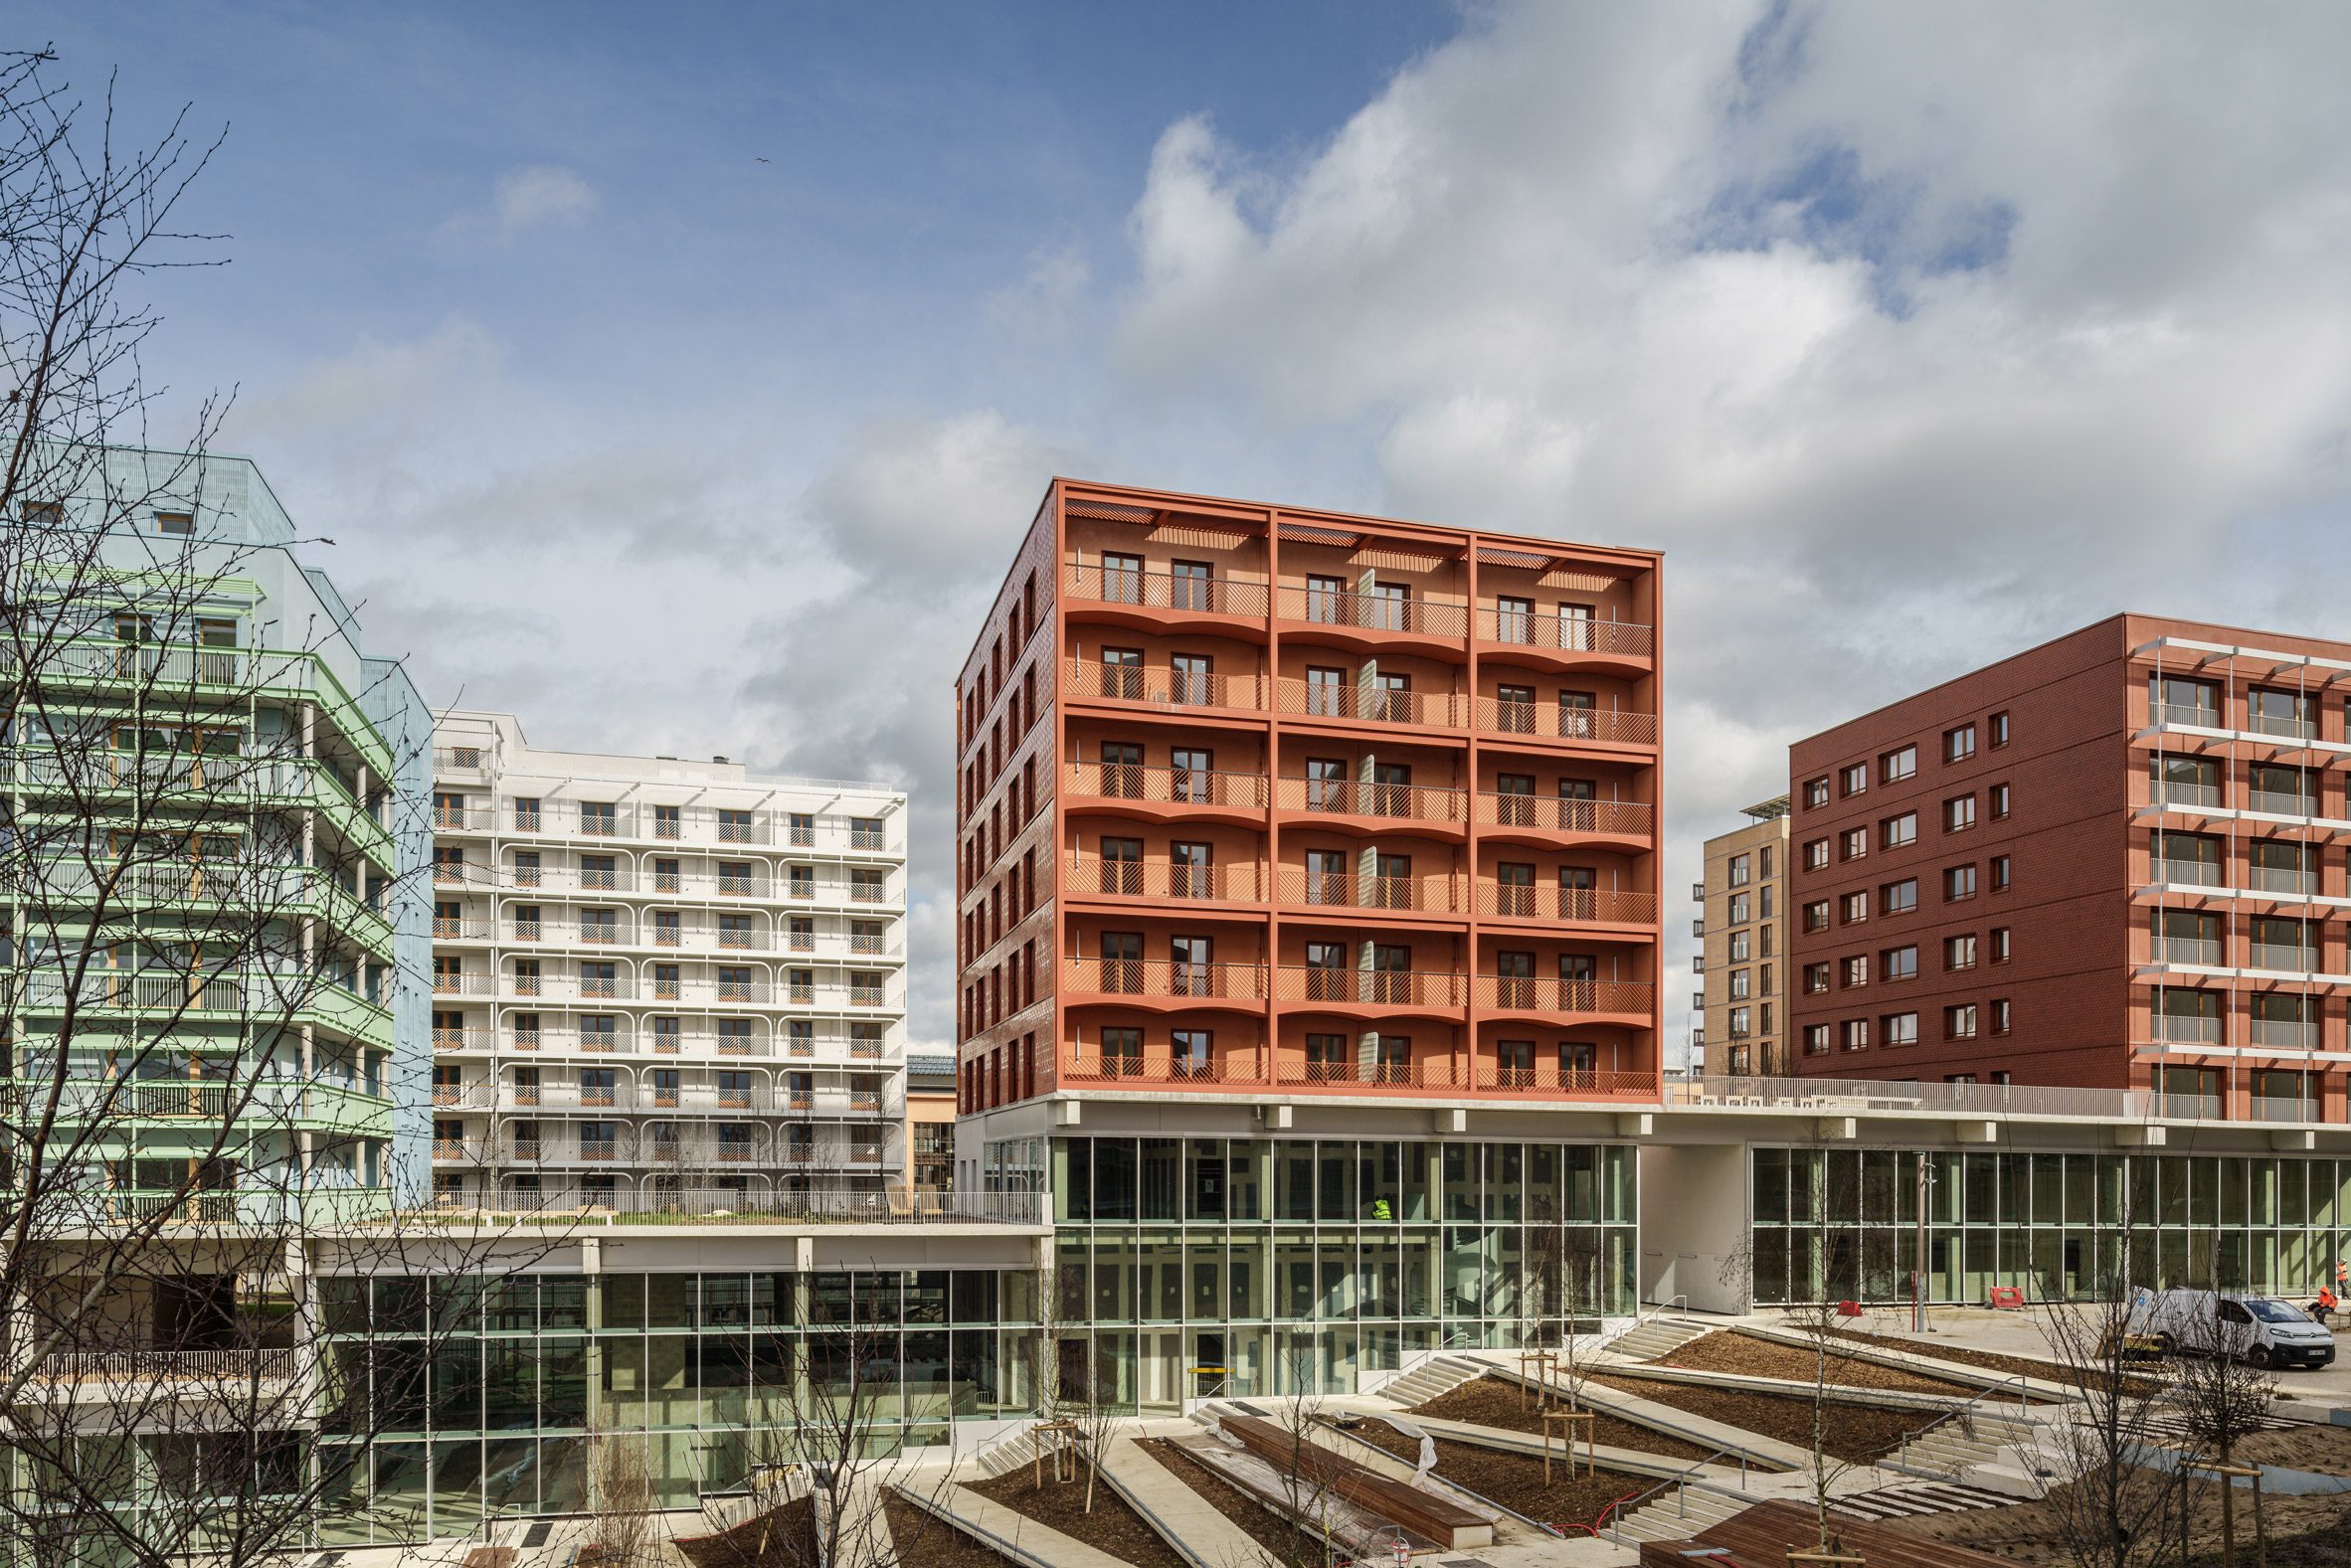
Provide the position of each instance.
(2261, 1330)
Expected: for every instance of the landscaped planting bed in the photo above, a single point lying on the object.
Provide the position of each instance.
(1260, 1523)
(1494, 1402)
(1853, 1433)
(1727, 1350)
(924, 1541)
(1990, 1360)
(1515, 1481)
(1111, 1528)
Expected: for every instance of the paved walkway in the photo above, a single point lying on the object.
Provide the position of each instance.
(1189, 1522)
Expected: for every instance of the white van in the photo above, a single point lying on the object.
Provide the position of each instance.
(2261, 1330)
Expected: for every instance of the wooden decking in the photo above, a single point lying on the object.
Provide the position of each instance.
(1763, 1536)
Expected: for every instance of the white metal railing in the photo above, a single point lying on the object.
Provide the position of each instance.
(75, 1366)
(2187, 873)
(2270, 1108)
(873, 1206)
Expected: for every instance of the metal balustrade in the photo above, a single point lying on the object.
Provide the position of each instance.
(1439, 894)
(1549, 813)
(1353, 797)
(1143, 590)
(1159, 687)
(1371, 987)
(1159, 879)
(1165, 977)
(231, 1367)
(1611, 726)
(1369, 703)
(1166, 785)
(1566, 633)
(1551, 901)
(1326, 607)
(1548, 993)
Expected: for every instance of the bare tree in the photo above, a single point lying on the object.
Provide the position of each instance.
(212, 839)
(2222, 1396)
(2111, 1509)
(621, 1501)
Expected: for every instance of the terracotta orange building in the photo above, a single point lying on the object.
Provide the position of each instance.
(1255, 797)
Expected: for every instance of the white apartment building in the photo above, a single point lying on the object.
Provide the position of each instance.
(657, 980)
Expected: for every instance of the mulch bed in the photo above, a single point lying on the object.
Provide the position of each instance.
(924, 1541)
(1515, 1481)
(1993, 1362)
(790, 1533)
(1492, 1402)
(1857, 1433)
(1727, 1350)
(1275, 1534)
(1113, 1527)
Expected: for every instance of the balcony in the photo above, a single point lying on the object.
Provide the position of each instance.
(1241, 1066)
(1160, 687)
(1170, 591)
(1382, 613)
(1549, 815)
(1350, 797)
(216, 1368)
(1569, 634)
(2186, 794)
(1550, 994)
(1550, 902)
(2286, 1034)
(1368, 703)
(1158, 879)
(2188, 950)
(2288, 958)
(2185, 873)
(2268, 1108)
(2188, 1029)
(2281, 726)
(2188, 716)
(1165, 977)
(1565, 721)
(2281, 803)
(1440, 1077)
(2291, 883)
(1439, 895)
(1418, 989)
(1169, 786)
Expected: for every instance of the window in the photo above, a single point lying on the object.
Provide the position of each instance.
(1901, 1028)
(1740, 988)
(1854, 780)
(1816, 1039)
(1959, 1021)
(181, 523)
(1896, 831)
(1999, 944)
(1999, 730)
(1816, 914)
(1959, 744)
(1856, 970)
(1999, 873)
(1959, 951)
(1999, 794)
(2286, 713)
(1958, 883)
(1898, 897)
(1741, 870)
(1898, 764)
(2000, 1015)
(1960, 814)
(1816, 978)
(1739, 910)
(1854, 908)
(1816, 793)
(1898, 963)
(1855, 1034)
(1853, 843)
(1766, 854)
(1816, 854)
(1739, 947)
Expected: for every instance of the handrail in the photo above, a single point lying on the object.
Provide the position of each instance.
(1681, 1479)
(1965, 1414)
(1657, 1309)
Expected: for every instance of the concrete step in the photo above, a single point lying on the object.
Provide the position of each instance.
(1676, 1513)
(1656, 1338)
(1911, 1501)
(1437, 1376)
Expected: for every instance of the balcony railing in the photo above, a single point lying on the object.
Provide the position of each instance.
(1547, 900)
(1165, 978)
(1630, 819)
(1372, 704)
(1162, 687)
(1361, 890)
(1166, 785)
(1352, 797)
(1235, 1067)
(1556, 1078)
(2188, 1108)
(2188, 950)
(1158, 879)
(1214, 595)
(2268, 1108)
(1325, 607)
(2277, 955)
(2281, 803)
(2286, 1034)
(2162, 793)
(1371, 987)
(2271, 879)
(207, 1366)
(2187, 1030)
(1548, 993)
(2187, 873)
(2192, 715)
(2281, 725)
(1566, 634)
(1517, 716)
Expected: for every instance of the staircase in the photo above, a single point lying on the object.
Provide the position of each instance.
(1657, 1336)
(1948, 1450)
(1438, 1375)
(1018, 1451)
(1677, 1513)
(1904, 1502)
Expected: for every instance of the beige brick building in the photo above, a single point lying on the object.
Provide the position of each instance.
(1743, 926)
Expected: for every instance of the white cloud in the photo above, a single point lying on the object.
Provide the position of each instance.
(532, 196)
(1914, 335)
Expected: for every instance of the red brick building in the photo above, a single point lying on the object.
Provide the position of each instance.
(1253, 797)
(2113, 860)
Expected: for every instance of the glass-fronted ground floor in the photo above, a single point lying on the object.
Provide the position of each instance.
(1843, 1224)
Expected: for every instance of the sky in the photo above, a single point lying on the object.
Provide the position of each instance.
(680, 377)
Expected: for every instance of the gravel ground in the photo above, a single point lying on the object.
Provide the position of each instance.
(1854, 1433)
(1727, 1350)
(2304, 1532)
(2326, 1448)
(1257, 1521)
(1111, 1528)
(1490, 1402)
(927, 1542)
